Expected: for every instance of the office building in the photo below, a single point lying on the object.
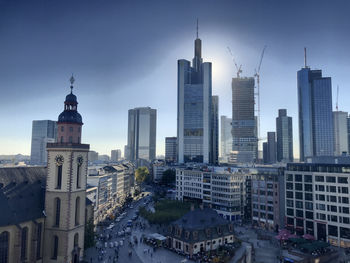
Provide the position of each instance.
(226, 138)
(214, 152)
(170, 149)
(194, 108)
(271, 148)
(222, 188)
(244, 137)
(93, 156)
(317, 201)
(284, 132)
(116, 155)
(340, 123)
(142, 125)
(316, 133)
(42, 132)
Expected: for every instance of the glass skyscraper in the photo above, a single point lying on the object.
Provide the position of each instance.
(43, 131)
(226, 138)
(142, 124)
(316, 134)
(194, 106)
(284, 130)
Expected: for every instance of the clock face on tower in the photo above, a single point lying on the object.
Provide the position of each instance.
(59, 160)
(80, 160)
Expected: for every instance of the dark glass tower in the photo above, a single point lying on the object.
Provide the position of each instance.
(316, 135)
(284, 129)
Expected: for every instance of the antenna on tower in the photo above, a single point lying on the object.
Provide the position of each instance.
(336, 105)
(305, 64)
(197, 27)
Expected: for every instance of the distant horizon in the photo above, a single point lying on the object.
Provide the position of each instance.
(122, 62)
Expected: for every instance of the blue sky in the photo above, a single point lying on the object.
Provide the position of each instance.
(124, 54)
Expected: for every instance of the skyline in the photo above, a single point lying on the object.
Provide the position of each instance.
(106, 84)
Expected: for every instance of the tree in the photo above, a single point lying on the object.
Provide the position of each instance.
(168, 177)
(141, 174)
(89, 234)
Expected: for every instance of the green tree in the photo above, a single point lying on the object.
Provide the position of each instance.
(89, 237)
(168, 177)
(141, 174)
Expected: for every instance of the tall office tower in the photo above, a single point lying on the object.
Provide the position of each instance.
(271, 147)
(126, 152)
(142, 124)
(214, 152)
(284, 130)
(170, 149)
(265, 154)
(244, 137)
(66, 188)
(316, 134)
(42, 132)
(116, 155)
(194, 99)
(226, 138)
(348, 125)
(340, 132)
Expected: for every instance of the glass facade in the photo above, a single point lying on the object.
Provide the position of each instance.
(226, 137)
(284, 129)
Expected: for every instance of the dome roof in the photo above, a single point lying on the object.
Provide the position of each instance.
(71, 98)
(70, 116)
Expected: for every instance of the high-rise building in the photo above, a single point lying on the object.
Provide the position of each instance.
(194, 108)
(284, 131)
(348, 126)
(226, 138)
(170, 149)
(43, 132)
(316, 134)
(93, 156)
(65, 197)
(244, 137)
(271, 147)
(340, 132)
(214, 152)
(265, 154)
(116, 155)
(142, 123)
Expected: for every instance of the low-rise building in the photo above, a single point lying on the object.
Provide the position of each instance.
(200, 230)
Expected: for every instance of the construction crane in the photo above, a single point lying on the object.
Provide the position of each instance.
(239, 69)
(257, 75)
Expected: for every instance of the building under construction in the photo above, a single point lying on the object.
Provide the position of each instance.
(244, 128)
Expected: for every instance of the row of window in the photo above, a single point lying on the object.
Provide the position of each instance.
(59, 172)
(70, 129)
(57, 205)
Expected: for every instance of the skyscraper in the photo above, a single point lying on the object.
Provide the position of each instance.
(244, 137)
(194, 108)
(170, 149)
(271, 147)
(226, 138)
(42, 132)
(284, 130)
(340, 132)
(214, 152)
(316, 134)
(142, 134)
(116, 155)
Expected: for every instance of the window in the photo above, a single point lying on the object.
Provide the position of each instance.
(299, 186)
(334, 218)
(290, 221)
(78, 175)
(319, 178)
(76, 240)
(62, 128)
(309, 206)
(59, 177)
(298, 195)
(330, 179)
(298, 178)
(290, 203)
(38, 244)
(299, 213)
(24, 238)
(344, 190)
(55, 247)
(300, 222)
(307, 178)
(299, 204)
(321, 197)
(289, 186)
(332, 230)
(344, 232)
(70, 129)
(290, 212)
(4, 247)
(57, 205)
(342, 180)
(61, 139)
(320, 188)
(309, 215)
(308, 196)
(308, 187)
(345, 210)
(289, 177)
(70, 139)
(332, 189)
(346, 220)
(333, 198)
(77, 210)
(289, 194)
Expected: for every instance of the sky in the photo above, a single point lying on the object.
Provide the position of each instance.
(123, 54)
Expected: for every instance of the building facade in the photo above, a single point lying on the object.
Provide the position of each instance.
(271, 148)
(244, 137)
(284, 132)
(170, 149)
(194, 99)
(42, 132)
(116, 155)
(340, 119)
(317, 201)
(226, 138)
(214, 152)
(142, 127)
(316, 132)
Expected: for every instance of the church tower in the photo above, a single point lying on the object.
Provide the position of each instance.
(66, 187)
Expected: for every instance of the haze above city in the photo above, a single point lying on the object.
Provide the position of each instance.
(121, 61)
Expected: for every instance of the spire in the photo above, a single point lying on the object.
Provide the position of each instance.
(71, 80)
(197, 28)
(305, 64)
